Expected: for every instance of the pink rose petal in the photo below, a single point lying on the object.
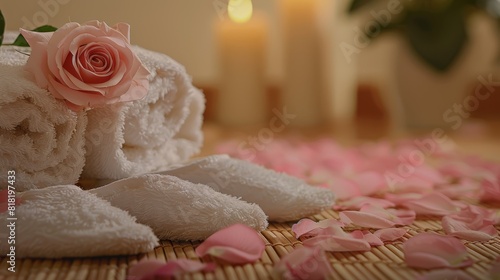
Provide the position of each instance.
(390, 234)
(303, 263)
(441, 274)
(400, 199)
(357, 202)
(429, 250)
(433, 204)
(335, 243)
(367, 220)
(471, 223)
(155, 269)
(307, 226)
(369, 237)
(236, 244)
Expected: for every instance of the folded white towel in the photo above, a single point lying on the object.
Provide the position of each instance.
(65, 221)
(149, 134)
(282, 197)
(177, 209)
(40, 138)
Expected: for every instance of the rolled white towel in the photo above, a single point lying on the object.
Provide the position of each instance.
(40, 138)
(147, 135)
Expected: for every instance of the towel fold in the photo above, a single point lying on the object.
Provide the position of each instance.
(283, 198)
(147, 135)
(65, 221)
(179, 210)
(40, 138)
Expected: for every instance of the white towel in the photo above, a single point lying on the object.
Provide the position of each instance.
(282, 197)
(149, 134)
(177, 209)
(40, 138)
(65, 221)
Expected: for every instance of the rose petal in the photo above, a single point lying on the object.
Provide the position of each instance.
(367, 220)
(236, 244)
(357, 202)
(446, 274)
(303, 263)
(390, 234)
(400, 199)
(430, 250)
(433, 204)
(335, 243)
(369, 237)
(306, 226)
(465, 231)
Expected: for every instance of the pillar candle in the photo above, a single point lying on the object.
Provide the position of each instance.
(241, 46)
(302, 85)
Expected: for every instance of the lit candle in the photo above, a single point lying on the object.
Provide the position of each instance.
(242, 41)
(302, 87)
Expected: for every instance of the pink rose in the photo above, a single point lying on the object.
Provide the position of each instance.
(87, 65)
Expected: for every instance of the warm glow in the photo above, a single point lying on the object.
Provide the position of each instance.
(240, 10)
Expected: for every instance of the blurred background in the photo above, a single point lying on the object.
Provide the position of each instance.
(319, 61)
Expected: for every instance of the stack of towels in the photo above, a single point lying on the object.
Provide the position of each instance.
(143, 147)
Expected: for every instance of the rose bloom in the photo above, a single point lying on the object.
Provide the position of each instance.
(88, 65)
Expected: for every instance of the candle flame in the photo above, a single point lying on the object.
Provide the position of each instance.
(240, 10)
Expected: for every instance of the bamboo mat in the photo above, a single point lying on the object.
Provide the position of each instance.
(383, 262)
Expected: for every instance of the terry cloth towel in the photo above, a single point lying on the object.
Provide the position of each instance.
(40, 138)
(65, 221)
(177, 209)
(147, 135)
(282, 197)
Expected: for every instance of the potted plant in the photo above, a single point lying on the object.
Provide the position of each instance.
(444, 46)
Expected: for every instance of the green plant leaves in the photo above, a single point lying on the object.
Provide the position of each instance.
(357, 4)
(2, 27)
(21, 41)
(437, 37)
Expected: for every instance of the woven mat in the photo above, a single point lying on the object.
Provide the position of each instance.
(383, 262)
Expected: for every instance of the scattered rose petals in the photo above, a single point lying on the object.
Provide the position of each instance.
(335, 243)
(358, 202)
(303, 263)
(390, 234)
(376, 217)
(155, 269)
(236, 244)
(364, 219)
(433, 204)
(336, 240)
(400, 199)
(309, 227)
(429, 250)
(471, 223)
(369, 237)
(452, 274)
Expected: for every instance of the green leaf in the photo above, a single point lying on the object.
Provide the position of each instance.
(2, 27)
(357, 4)
(21, 41)
(438, 37)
